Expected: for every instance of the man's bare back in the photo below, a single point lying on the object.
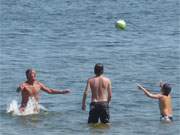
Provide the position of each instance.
(100, 87)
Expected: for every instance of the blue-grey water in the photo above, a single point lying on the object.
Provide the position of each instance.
(63, 39)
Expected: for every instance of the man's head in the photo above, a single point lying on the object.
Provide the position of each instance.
(31, 74)
(98, 69)
(165, 88)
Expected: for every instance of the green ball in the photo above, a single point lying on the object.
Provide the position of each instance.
(121, 24)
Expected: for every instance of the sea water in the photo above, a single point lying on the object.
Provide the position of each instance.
(64, 39)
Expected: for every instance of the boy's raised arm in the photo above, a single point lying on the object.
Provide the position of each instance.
(149, 94)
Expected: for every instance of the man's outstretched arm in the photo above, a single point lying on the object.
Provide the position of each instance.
(53, 91)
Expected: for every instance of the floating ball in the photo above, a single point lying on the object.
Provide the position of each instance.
(121, 24)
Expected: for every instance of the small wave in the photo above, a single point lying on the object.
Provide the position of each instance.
(32, 108)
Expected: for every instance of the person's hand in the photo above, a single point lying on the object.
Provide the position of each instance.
(21, 109)
(84, 107)
(140, 87)
(18, 89)
(66, 91)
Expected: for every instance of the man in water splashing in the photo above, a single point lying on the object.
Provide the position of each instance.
(31, 88)
(101, 96)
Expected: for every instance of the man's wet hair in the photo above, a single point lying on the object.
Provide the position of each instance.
(166, 89)
(28, 71)
(98, 69)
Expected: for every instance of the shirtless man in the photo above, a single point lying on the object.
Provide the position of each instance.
(101, 96)
(164, 97)
(32, 87)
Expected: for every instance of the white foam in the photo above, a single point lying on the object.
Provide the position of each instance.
(32, 108)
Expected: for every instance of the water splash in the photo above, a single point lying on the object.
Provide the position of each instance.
(32, 108)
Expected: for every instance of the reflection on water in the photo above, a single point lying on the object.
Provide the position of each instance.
(100, 125)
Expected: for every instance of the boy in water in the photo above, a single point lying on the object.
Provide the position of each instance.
(164, 97)
(31, 89)
(101, 96)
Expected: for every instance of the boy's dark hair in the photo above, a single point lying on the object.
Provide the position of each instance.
(166, 89)
(98, 69)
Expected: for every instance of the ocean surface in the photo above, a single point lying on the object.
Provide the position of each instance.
(63, 40)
